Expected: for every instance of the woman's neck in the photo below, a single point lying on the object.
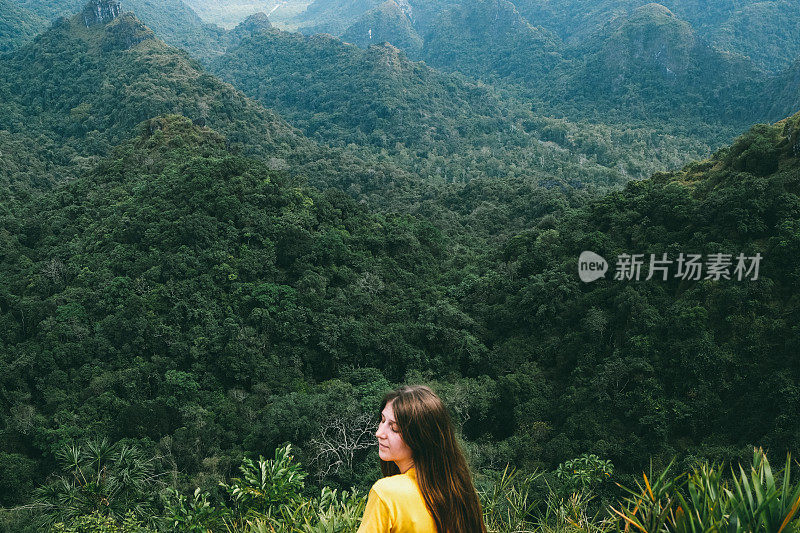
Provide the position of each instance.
(405, 465)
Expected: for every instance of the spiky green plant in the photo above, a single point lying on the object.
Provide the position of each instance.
(759, 504)
(507, 505)
(331, 512)
(570, 514)
(706, 502)
(335, 512)
(706, 505)
(110, 480)
(648, 508)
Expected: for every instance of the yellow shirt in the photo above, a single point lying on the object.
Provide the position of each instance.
(395, 505)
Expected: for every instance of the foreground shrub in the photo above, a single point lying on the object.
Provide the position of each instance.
(704, 501)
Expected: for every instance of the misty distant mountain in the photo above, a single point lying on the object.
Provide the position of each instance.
(81, 90)
(172, 20)
(652, 63)
(766, 31)
(436, 123)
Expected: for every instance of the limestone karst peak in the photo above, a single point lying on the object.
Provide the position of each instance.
(101, 12)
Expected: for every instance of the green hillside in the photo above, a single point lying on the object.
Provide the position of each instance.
(482, 38)
(489, 38)
(651, 63)
(766, 32)
(178, 25)
(763, 30)
(180, 295)
(687, 367)
(172, 20)
(17, 25)
(230, 12)
(385, 23)
(627, 62)
(78, 91)
(233, 250)
(333, 17)
(52, 9)
(178, 261)
(785, 92)
(443, 127)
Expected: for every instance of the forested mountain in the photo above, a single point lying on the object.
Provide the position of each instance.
(638, 64)
(51, 9)
(254, 24)
(176, 273)
(333, 17)
(690, 367)
(785, 92)
(17, 25)
(79, 90)
(492, 40)
(763, 30)
(205, 269)
(229, 13)
(488, 39)
(481, 38)
(178, 25)
(375, 98)
(434, 124)
(766, 32)
(650, 63)
(387, 22)
(173, 20)
(157, 295)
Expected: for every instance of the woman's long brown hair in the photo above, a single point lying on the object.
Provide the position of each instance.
(442, 472)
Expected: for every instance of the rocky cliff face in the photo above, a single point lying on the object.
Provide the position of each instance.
(101, 12)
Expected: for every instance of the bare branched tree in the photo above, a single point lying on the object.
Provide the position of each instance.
(339, 440)
(54, 269)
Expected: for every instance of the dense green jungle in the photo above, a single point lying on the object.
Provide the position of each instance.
(228, 228)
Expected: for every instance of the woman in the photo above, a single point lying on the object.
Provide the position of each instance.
(428, 487)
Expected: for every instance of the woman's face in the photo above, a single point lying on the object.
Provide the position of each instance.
(390, 442)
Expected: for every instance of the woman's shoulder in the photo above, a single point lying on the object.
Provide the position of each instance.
(395, 486)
